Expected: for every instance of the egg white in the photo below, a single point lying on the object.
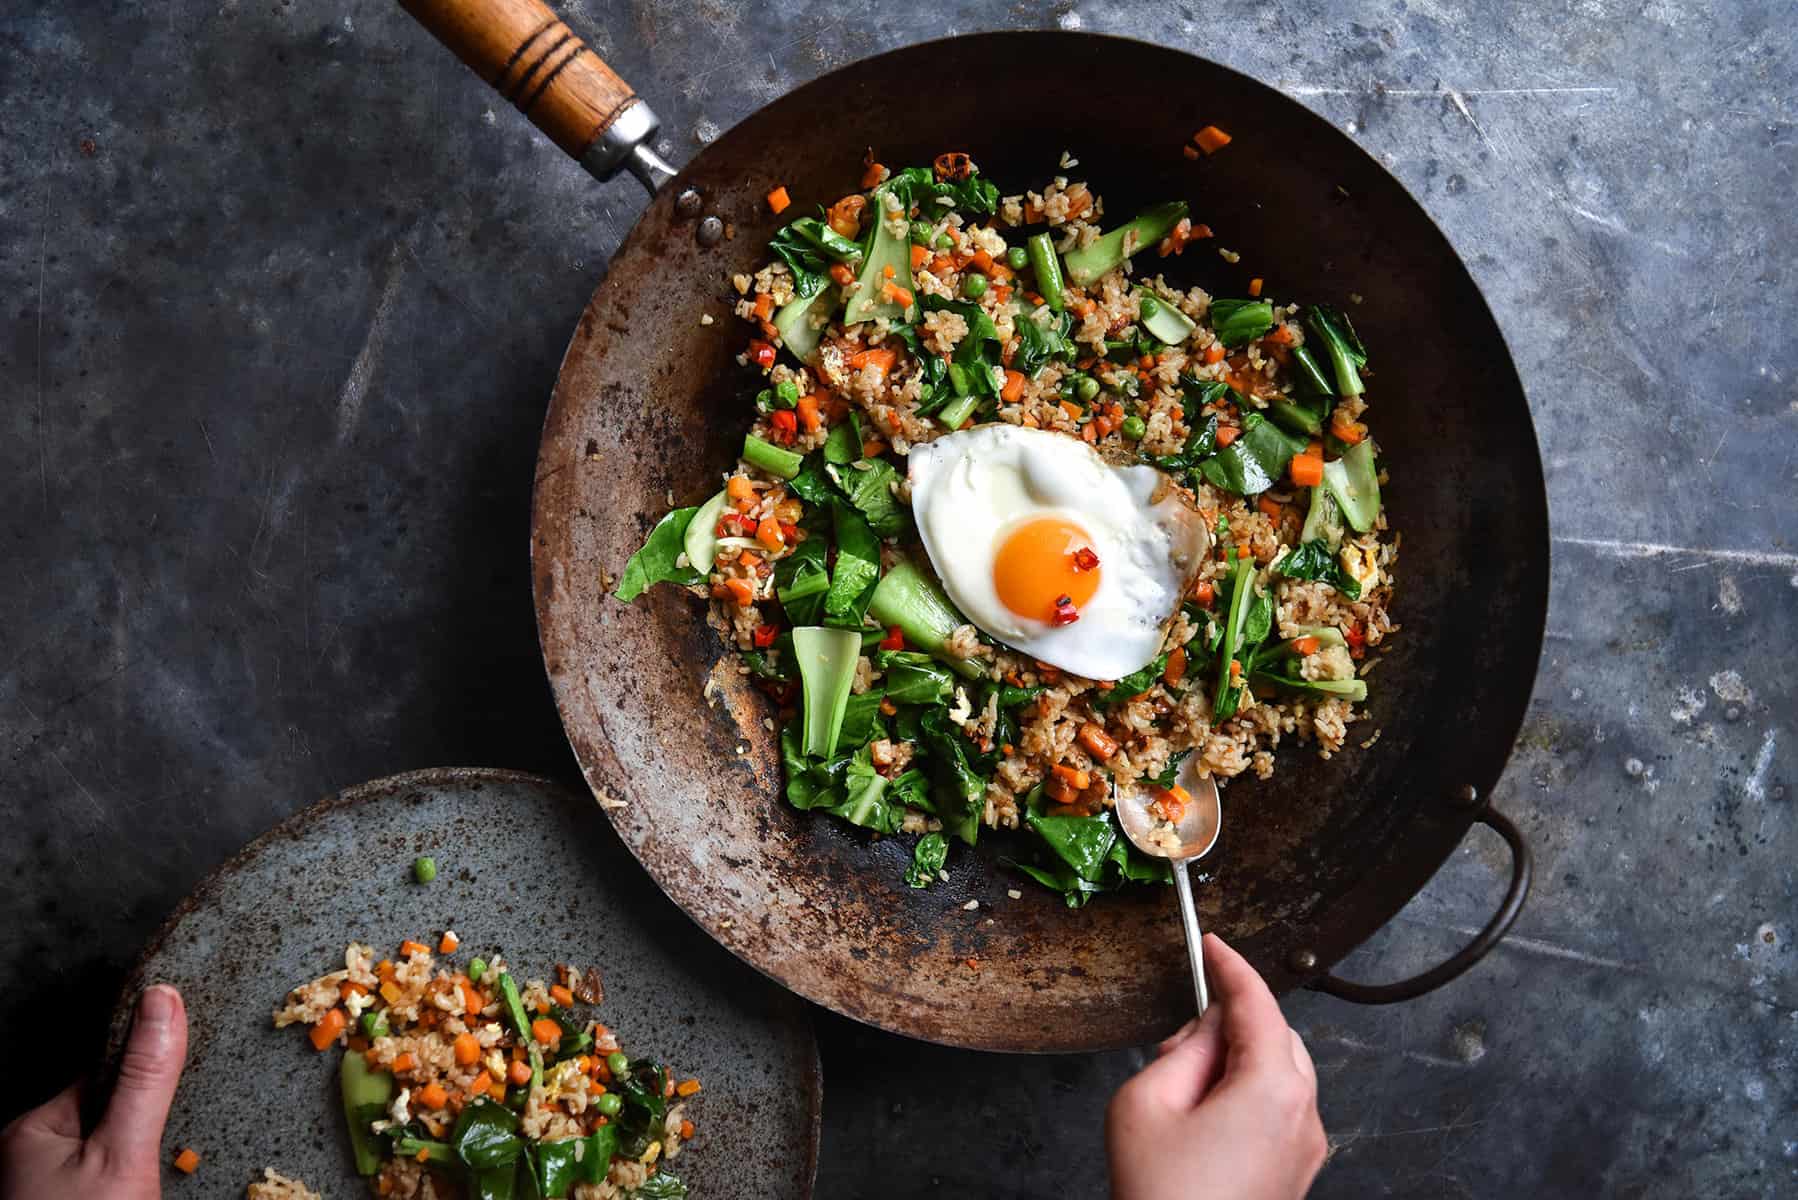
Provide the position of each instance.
(969, 488)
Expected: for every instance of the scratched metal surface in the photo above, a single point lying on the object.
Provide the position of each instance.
(283, 305)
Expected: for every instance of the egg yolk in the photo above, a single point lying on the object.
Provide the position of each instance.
(1039, 564)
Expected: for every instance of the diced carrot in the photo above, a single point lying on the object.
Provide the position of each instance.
(738, 487)
(328, 1028)
(390, 992)
(841, 274)
(1088, 433)
(479, 1085)
(1072, 410)
(686, 1129)
(403, 1062)
(769, 535)
(1235, 668)
(893, 292)
(919, 256)
(1347, 428)
(778, 200)
(982, 262)
(742, 590)
(807, 409)
(1306, 470)
(448, 943)
(872, 176)
(1097, 742)
(472, 1003)
(187, 1162)
(764, 306)
(1014, 387)
(873, 448)
(1203, 592)
(1210, 139)
(1271, 507)
(546, 1031)
(409, 948)
(1175, 670)
(1280, 335)
(688, 1087)
(519, 1072)
(1306, 645)
(882, 357)
(432, 1095)
(1214, 353)
(1227, 434)
(1072, 776)
(350, 987)
(1190, 151)
(466, 1049)
(384, 970)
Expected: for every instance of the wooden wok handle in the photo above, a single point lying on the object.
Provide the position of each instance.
(534, 60)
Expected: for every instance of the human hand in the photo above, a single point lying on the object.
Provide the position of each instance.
(42, 1153)
(1229, 1108)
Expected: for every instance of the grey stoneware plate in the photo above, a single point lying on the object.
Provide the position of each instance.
(524, 867)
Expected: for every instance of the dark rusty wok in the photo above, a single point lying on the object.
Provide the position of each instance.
(650, 403)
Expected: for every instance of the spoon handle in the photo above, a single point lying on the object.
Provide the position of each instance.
(1195, 945)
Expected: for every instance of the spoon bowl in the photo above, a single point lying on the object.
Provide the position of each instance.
(1190, 835)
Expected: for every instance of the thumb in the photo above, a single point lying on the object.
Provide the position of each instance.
(1188, 1066)
(132, 1127)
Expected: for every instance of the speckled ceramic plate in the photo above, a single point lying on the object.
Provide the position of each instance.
(523, 867)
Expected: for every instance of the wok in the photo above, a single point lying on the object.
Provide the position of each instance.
(650, 405)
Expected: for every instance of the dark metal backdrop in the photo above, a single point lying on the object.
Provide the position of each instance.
(650, 404)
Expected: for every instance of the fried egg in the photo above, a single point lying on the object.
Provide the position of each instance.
(1049, 549)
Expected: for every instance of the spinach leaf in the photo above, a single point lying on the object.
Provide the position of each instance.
(1082, 856)
(1011, 697)
(1171, 772)
(957, 789)
(763, 667)
(928, 857)
(844, 442)
(1134, 684)
(496, 1183)
(911, 789)
(810, 784)
(977, 353)
(643, 1093)
(555, 1167)
(861, 721)
(660, 1186)
(869, 486)
(919, 186)
(1040, 341)
(1253, 462)
(801, 579)
(808, 246)
(486, 1135)
(1083, 843)
(1313, 560)
(865, 802)
(655, 562)
(1240, 321)
(857, 569)
(1201, 443)
(602, 1144)
(915, 678)
(812, 484)
(1258, 624)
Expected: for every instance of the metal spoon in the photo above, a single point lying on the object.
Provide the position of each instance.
(1193, 837)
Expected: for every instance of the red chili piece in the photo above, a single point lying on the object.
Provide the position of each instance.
(764, 636)
(786, 425)
(761, 354)
(894, 640)
(1085, 559)
(1065, 612)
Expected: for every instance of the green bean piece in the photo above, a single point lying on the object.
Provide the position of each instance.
(374, 1023)
(786, 393)
(610, 1104)
(1134, 427)
(973, 285)
(424, 868)
(1048, 272)
(1017, 258)
(1087, 389)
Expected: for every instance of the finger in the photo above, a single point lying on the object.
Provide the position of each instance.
(140, 1101)
(1301, 1058)
(1181, 1077)
(1180, 1035)
(1253, 1026)
(59, 1116)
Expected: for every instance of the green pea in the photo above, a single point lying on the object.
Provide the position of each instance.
(618, 1064)
(1086, 388)
(786, 393)
(374, 1024)
(973, 285)
(944, 242)
(424, 869)
(477, 967)
(920, 233)
(1017, 258)
(610, 1104)
(1148, 306)
(1134, 427)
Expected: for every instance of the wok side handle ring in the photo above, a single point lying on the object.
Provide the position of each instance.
(530, 56)
(1522, 869)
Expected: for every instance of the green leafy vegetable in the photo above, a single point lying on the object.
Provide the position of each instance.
(914, 678)
(919, 186)
(1355, 486)
(1323, 521)
(1341, 346)
(1134, 684)
(655, 562)
(912, 600)
(1082, 856)
(958, 791)
(865, 801)
(1144, 232)
(602, 1144)
(844, 442)
(1353, 690)
(808, 246)
(1041, 340)
(1313, 560)
(801, 579)
(555, 1166)
(826, 660)
(928, 857)
(1229, 685)
(1170, 774)
(861, 721)
(868, 485)
(660, 1186)
(1254, 461)
(887, 251)
(765, 455)
(365, 1093)
(486, 1135)
(1309, 372)
(856, 571)
(1238, 322)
